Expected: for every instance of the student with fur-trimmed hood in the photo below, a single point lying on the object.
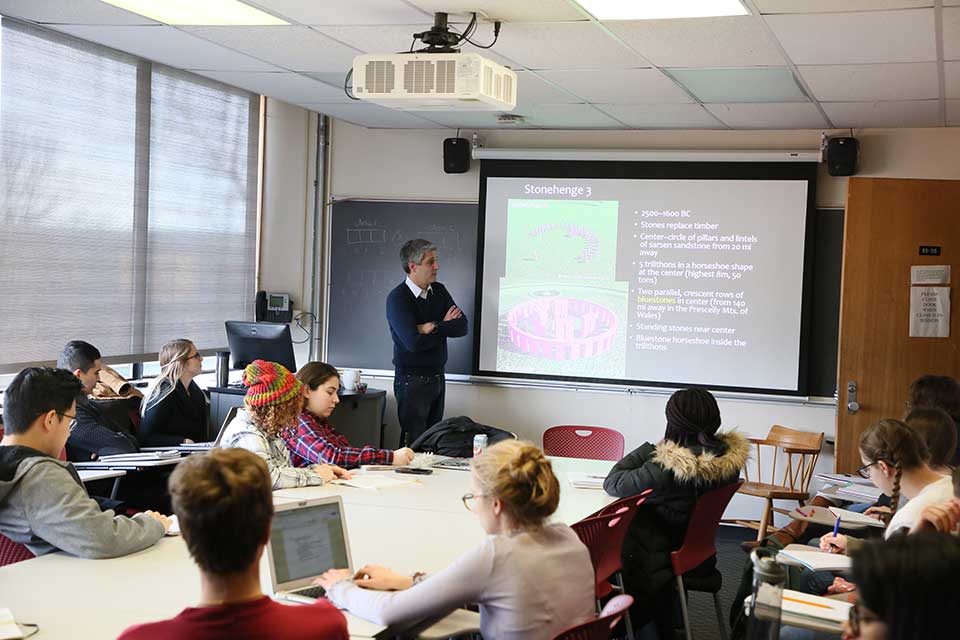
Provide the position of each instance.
(692, 458)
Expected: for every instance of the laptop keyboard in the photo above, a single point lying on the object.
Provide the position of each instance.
(311, 592)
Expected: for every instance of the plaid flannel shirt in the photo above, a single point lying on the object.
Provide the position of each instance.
(315, 441)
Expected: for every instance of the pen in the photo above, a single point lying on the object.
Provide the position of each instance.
(836, 527)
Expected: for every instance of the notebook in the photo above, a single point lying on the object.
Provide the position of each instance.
(586, 480)
(307, 538)
(813, 559)
(852, 517)
(861, 492)
(815, 607)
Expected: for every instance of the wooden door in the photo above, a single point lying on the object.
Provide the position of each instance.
(886, 222)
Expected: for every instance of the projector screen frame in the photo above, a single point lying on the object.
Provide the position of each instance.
(656, 170)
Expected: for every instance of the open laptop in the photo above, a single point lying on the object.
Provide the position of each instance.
(194, 447)
(307, 538)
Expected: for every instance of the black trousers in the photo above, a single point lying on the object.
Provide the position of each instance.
(419, 403)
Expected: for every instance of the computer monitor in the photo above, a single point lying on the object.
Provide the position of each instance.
(268, 341)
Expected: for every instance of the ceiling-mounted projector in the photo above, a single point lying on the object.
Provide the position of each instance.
(438, 77)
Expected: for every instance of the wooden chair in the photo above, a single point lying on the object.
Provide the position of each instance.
(800, 451)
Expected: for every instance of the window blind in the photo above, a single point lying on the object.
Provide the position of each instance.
(127, 200)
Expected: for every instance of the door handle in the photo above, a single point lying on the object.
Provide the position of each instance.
(852, 405)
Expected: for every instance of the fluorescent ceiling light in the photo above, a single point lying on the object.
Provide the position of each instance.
(661, 9)
(199, 12)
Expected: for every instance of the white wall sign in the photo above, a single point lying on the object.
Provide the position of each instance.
(930, 274)
(930, 312)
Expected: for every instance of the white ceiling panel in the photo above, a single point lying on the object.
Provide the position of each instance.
(916, 113)
(469, 120)
(857, 38)
(951, 76)
(564, 45)
(70, 12)
(619, 86)
(289, 87)
(532, 90)
(953, 113)
(661, 116)
(731, 41)
(371, 115)
(869, 82)
(295, 48)
(169, 46)
(834, 6)
(788, 115)
(313, 12)
(951, 33)
(507, 10)
(570, 116)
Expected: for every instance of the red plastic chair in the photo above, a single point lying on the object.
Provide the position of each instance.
(602, 627)
(592, 443)
(699, 544)
(629, 502)
(12, 552)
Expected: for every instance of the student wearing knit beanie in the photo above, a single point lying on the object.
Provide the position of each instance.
(271, 407)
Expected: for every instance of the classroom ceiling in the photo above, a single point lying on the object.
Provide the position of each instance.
(790, 64)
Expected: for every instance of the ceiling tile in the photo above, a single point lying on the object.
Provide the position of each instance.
(533, 90)
(951, 76)
(312, 12)
(731, 41)
(841, 38)
(789, 115)
(754, 84)
(661, 116)
(834, 6)
(869, 82)
(470, 120)
(569, 116)
(564, 45)
(912, 113)
(71, 12)
(953, 113)
(619, 86)
(295, 48)
(951, 33)
(507, 10)
(289, 87)
(169, 46)
(371, 115)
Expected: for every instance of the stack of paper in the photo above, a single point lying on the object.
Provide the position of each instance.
(143, 456)
(815, 607)
(813, 559)
(585, 480)
(868, 493)
(373, 481)
(852, 517)
(843, 478)
(8, 626)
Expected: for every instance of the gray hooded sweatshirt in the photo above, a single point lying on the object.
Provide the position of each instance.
(44, 505)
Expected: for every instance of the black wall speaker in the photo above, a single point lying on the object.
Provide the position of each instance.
(456, 155)
(842, 156)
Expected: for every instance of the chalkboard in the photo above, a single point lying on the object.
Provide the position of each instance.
(365, 241)
(366, 237)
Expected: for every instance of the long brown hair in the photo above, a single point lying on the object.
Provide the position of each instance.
(898, 445)
(313, 374)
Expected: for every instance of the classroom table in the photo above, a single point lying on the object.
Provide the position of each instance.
(127, 465)
(419, 526)
(91, 475)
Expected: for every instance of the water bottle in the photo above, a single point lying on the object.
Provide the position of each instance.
(479, 444)
(768, 581)
(223, 368)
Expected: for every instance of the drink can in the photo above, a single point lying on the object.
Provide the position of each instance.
(479, 444)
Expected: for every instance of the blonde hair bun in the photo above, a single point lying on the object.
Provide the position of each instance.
(522, 478)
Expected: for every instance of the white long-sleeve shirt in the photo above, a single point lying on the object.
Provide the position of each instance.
(530, 586)
(243, 433)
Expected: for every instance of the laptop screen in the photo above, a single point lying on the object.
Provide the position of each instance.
(306, 542)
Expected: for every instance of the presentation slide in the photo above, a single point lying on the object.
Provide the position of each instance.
(665, 281)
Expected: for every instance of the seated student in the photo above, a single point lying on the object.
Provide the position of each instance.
(271, 408)
(942, 392)
(224, 503)
(43, 504)
(90, 437)
(937, 429)
(692, 458)
(175, 410)
(895, 460)
(316, 441)
(907, 589)
(531, 579)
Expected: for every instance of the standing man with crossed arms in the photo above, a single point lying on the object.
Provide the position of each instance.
(422, 315)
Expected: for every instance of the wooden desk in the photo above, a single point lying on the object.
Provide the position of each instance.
(421, 527)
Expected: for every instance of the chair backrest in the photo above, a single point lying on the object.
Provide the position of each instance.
(600, 627)
(593, 443)
(11, 552)
(631, 502)
(603, 537)
(800, 451)
(700, 540)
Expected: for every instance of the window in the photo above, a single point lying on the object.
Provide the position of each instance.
(127, 200)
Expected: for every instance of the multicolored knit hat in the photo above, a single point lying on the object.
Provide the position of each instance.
(269, 383)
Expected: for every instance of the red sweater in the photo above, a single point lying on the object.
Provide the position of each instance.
(255, 619)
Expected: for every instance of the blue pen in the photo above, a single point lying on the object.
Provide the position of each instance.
(836, 527)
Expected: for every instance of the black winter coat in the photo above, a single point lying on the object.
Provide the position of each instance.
(678, 476)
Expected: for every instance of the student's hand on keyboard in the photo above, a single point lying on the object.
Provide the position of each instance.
(402, 457)
(382, 579)
(162, 519)
(331, 577)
